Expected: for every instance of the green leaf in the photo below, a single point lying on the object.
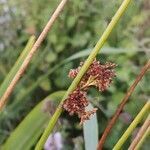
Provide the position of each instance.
(104, 50)
(29, 130)
(90, 129)
(16, 66)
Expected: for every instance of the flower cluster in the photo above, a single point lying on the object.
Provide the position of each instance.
(98, 75)
(76, 102)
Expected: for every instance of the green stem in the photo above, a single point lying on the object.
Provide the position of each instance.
(16, 66)
(132, 126)
(84, 68)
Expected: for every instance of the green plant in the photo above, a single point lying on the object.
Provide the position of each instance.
(28, 58)
(80, 24)
(82, 72)
(36, 118)
(16, 66)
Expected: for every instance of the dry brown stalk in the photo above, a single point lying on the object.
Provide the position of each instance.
(122, 104)
(35, 47)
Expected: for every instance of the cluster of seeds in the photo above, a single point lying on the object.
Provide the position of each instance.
(98, 75)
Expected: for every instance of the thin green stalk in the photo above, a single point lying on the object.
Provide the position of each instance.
(146, 134)
(16, 66)
(132, 126)
(84, 68)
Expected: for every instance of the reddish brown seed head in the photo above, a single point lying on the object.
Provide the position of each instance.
(98, 75)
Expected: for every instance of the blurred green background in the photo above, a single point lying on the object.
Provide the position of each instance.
(76, 31)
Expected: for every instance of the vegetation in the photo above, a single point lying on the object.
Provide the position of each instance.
(69, 42)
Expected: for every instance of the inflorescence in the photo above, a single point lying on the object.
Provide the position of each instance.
(99, 76)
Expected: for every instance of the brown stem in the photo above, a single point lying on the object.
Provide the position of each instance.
(122, 104)
(26, 62)
(140, 134)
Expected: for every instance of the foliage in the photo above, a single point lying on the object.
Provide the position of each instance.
(37, 118)
(78, 28)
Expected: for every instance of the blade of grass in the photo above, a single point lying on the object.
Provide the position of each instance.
(90, 130)
(132, 126)
(28, 131)
(27, 60)
(84, 68)
(107, 50)
(16, 66)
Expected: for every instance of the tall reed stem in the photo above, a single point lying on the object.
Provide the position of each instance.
(132, 126)
(84, 68)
